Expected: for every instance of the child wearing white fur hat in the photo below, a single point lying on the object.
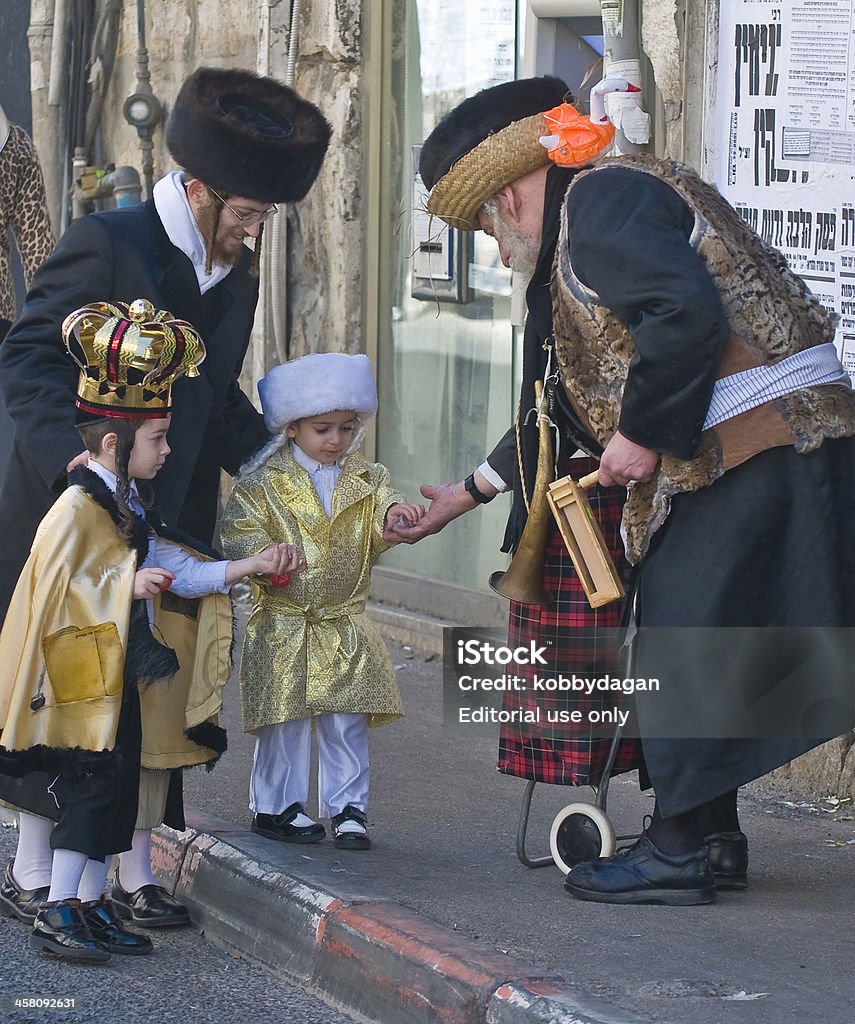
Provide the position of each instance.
(312, 656)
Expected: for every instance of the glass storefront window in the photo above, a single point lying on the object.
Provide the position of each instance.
(446, 369)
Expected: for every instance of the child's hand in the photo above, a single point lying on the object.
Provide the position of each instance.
(401, 515)
(278, 562)
(149, 583)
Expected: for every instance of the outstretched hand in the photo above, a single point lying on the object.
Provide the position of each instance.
(277, 562)
(401, 515)
(447, 502)
(278, 559)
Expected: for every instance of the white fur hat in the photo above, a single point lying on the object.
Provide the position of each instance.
(315, 384)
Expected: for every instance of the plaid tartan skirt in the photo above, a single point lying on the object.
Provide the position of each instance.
(579, 640)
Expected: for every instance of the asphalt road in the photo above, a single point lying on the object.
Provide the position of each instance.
(185, 979)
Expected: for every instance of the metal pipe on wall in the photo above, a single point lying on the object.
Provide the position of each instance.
(105, 41)
(45, 117)
(293, 37)
(622, 59)
(56, 81)
(276, 239)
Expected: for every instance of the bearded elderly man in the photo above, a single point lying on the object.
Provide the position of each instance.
(245, 143)
(704, 372)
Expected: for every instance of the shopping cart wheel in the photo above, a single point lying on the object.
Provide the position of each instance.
(580, 832)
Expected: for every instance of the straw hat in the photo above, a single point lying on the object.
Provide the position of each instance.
(487, 141)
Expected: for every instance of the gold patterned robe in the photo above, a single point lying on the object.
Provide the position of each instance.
(310, 648)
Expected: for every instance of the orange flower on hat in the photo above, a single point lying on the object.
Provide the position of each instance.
(574, 138)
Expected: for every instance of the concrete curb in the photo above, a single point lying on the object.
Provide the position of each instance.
(423, 632)
(362, 952)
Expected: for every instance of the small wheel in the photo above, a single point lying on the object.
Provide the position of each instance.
(580, 832)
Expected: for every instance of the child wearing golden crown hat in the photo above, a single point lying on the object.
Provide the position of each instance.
(83, 703)
(312, 660)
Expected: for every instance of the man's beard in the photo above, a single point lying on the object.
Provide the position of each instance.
(225, 257)
(522, 250)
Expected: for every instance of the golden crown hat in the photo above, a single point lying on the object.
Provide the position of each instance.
(130, 355)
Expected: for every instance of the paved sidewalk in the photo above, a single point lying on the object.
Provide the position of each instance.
(440, 921)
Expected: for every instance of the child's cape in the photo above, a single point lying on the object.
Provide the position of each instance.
(74, 638)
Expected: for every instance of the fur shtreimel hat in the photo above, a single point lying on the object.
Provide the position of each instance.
(247, 136)
(315, 384)
(487, 141)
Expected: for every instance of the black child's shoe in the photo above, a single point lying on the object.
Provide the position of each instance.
(644, 874)
(728, 856)
(106, 929)
(150, 906)
(60, 929)
(21, 903)
(282, 828)
(351, 832)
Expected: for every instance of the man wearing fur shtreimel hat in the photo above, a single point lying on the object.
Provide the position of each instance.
(682, 351)
(245, 144)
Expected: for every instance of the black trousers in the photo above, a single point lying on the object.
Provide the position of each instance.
(95, 813)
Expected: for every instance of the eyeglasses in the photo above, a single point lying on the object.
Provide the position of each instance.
(255, 217)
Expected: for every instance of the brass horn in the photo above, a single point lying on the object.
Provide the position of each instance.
(523, 579)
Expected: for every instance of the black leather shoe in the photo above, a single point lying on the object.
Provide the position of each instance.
(727, 853)
(21, 903)
(106, 929)
(282, 828)
(61, 930)
(150, 906)
(644, 874)
(347, 839)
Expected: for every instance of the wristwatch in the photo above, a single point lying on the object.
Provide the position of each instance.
(472, 488)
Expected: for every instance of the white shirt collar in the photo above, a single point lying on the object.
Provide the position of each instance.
(173, 208)
(110, 478)
(312, 465)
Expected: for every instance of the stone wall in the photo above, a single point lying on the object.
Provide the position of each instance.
(317, 266)
(180, 35)
(326, 260)
(827, 771)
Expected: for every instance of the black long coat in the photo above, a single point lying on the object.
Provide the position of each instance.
(122, 255)
(766, 552)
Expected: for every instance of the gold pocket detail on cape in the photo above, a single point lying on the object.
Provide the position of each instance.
(84, 663)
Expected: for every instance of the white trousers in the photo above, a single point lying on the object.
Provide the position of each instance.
(154, 785)
(282, 760)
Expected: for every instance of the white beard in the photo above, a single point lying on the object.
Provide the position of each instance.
(522, 250)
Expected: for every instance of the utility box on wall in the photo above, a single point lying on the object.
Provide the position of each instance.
(439, 262)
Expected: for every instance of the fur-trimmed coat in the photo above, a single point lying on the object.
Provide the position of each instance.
(658, 290)
(74, 639)
(640, 352)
